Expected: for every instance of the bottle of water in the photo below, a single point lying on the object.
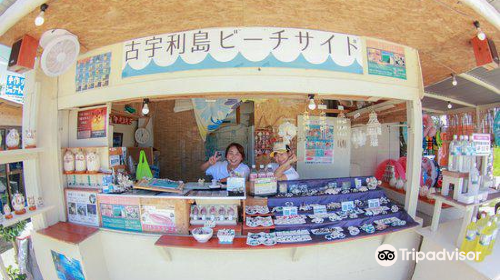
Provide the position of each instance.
(253, 173)
(474, 180)
(452, 155)
(262, 172)
(467, 152)
(460, 158)
(269, 171)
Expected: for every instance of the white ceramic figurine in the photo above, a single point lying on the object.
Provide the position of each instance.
(69, 162)
(30, 139)
(31, 203)
(80, 162)
(7, 212)
(93, 162)
(18, 204)
(12, 139)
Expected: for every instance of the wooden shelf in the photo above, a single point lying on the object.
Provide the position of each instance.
(29, 214)
(449, 199)
(68, 232)
(10, 156)
(403, 192)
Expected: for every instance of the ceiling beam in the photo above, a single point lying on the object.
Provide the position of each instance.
(448, 99)
(479, 82)
(433, 111)
(384, 105)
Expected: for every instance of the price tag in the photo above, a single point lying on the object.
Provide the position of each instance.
(210, 224)
(347, 205)
(373, 203)
(482, 143)
(319, 209)
(290, 211)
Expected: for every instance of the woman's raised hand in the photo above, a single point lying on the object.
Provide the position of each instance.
(213, 159)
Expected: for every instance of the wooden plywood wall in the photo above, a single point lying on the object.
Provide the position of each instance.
(10, 115)
(440, 30)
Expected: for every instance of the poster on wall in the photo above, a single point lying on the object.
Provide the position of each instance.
(93, 72)
(120, 212)
(157, 215)
(319, 143)
(67, 268)
(82, 207)
(92, 123)
(233, 47)
(14, 87)
(386, 59)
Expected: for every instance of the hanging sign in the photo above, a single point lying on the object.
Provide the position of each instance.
(91, 123)
(82, 207)
(242, 47)
(121, 120)
(386, 59)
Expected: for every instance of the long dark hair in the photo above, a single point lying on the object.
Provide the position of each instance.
(240, 149)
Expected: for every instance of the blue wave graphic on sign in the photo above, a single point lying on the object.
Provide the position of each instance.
(240, 61)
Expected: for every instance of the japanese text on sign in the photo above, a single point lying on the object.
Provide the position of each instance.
(242, 47)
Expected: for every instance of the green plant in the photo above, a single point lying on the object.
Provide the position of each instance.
(15, 273)
(9, 234)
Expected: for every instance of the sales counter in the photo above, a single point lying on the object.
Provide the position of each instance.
(337, 227)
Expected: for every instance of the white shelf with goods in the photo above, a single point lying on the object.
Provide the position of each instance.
(9, 156)
(27, 215)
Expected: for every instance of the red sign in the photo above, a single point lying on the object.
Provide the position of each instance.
(91, 123)
(121, 120)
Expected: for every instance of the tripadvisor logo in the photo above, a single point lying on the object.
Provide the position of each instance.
(387, 255)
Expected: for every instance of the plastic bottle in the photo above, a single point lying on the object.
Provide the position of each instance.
(253, 173)
(458, 149)
(452, 155)
(494, 235)
(484, 242)
(269, 171)
(471, 237)
(482, 221)
(474, 178)
(262, 172)
(465, 150)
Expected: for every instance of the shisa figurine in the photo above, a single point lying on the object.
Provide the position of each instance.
(12, 139)
(69, 162)
(40, 202)
(80, 162)
(93, 162)
(31, 203)
(30, 139)
(18, 204)
(7, 212)
(400, 183)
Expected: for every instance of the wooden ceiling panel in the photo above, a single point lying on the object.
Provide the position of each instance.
(439, 29)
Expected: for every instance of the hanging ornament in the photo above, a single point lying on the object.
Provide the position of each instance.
(342, 124)
(358, 137)
(373, 129)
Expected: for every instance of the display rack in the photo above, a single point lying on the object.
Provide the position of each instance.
(27, 215)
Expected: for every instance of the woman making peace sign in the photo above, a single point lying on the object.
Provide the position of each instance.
(220, 170)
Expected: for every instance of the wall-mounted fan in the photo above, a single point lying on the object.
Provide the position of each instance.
(60, 51)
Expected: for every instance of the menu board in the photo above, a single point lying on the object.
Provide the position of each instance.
(120, 212)
(82, 207)
(91, 123)
(157, 215)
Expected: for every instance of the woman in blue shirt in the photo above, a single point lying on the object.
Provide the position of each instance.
(220, 170)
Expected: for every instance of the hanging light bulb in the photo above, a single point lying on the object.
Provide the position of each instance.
(39, 20)
(480, 34)
(312, 104)
(449, 105)
(145, 107)
(454, 80)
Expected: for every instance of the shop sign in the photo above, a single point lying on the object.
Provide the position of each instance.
(386, 59)
(91, 123)
(93, 72)
(242, 47)
(121, 120)
(14, 87)
(482, 143)
(157, 215)
(120, 212)
(82, 207)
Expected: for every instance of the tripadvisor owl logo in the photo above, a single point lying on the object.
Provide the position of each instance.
(386, 255)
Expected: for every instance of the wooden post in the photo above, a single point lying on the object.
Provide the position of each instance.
(414, 155)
